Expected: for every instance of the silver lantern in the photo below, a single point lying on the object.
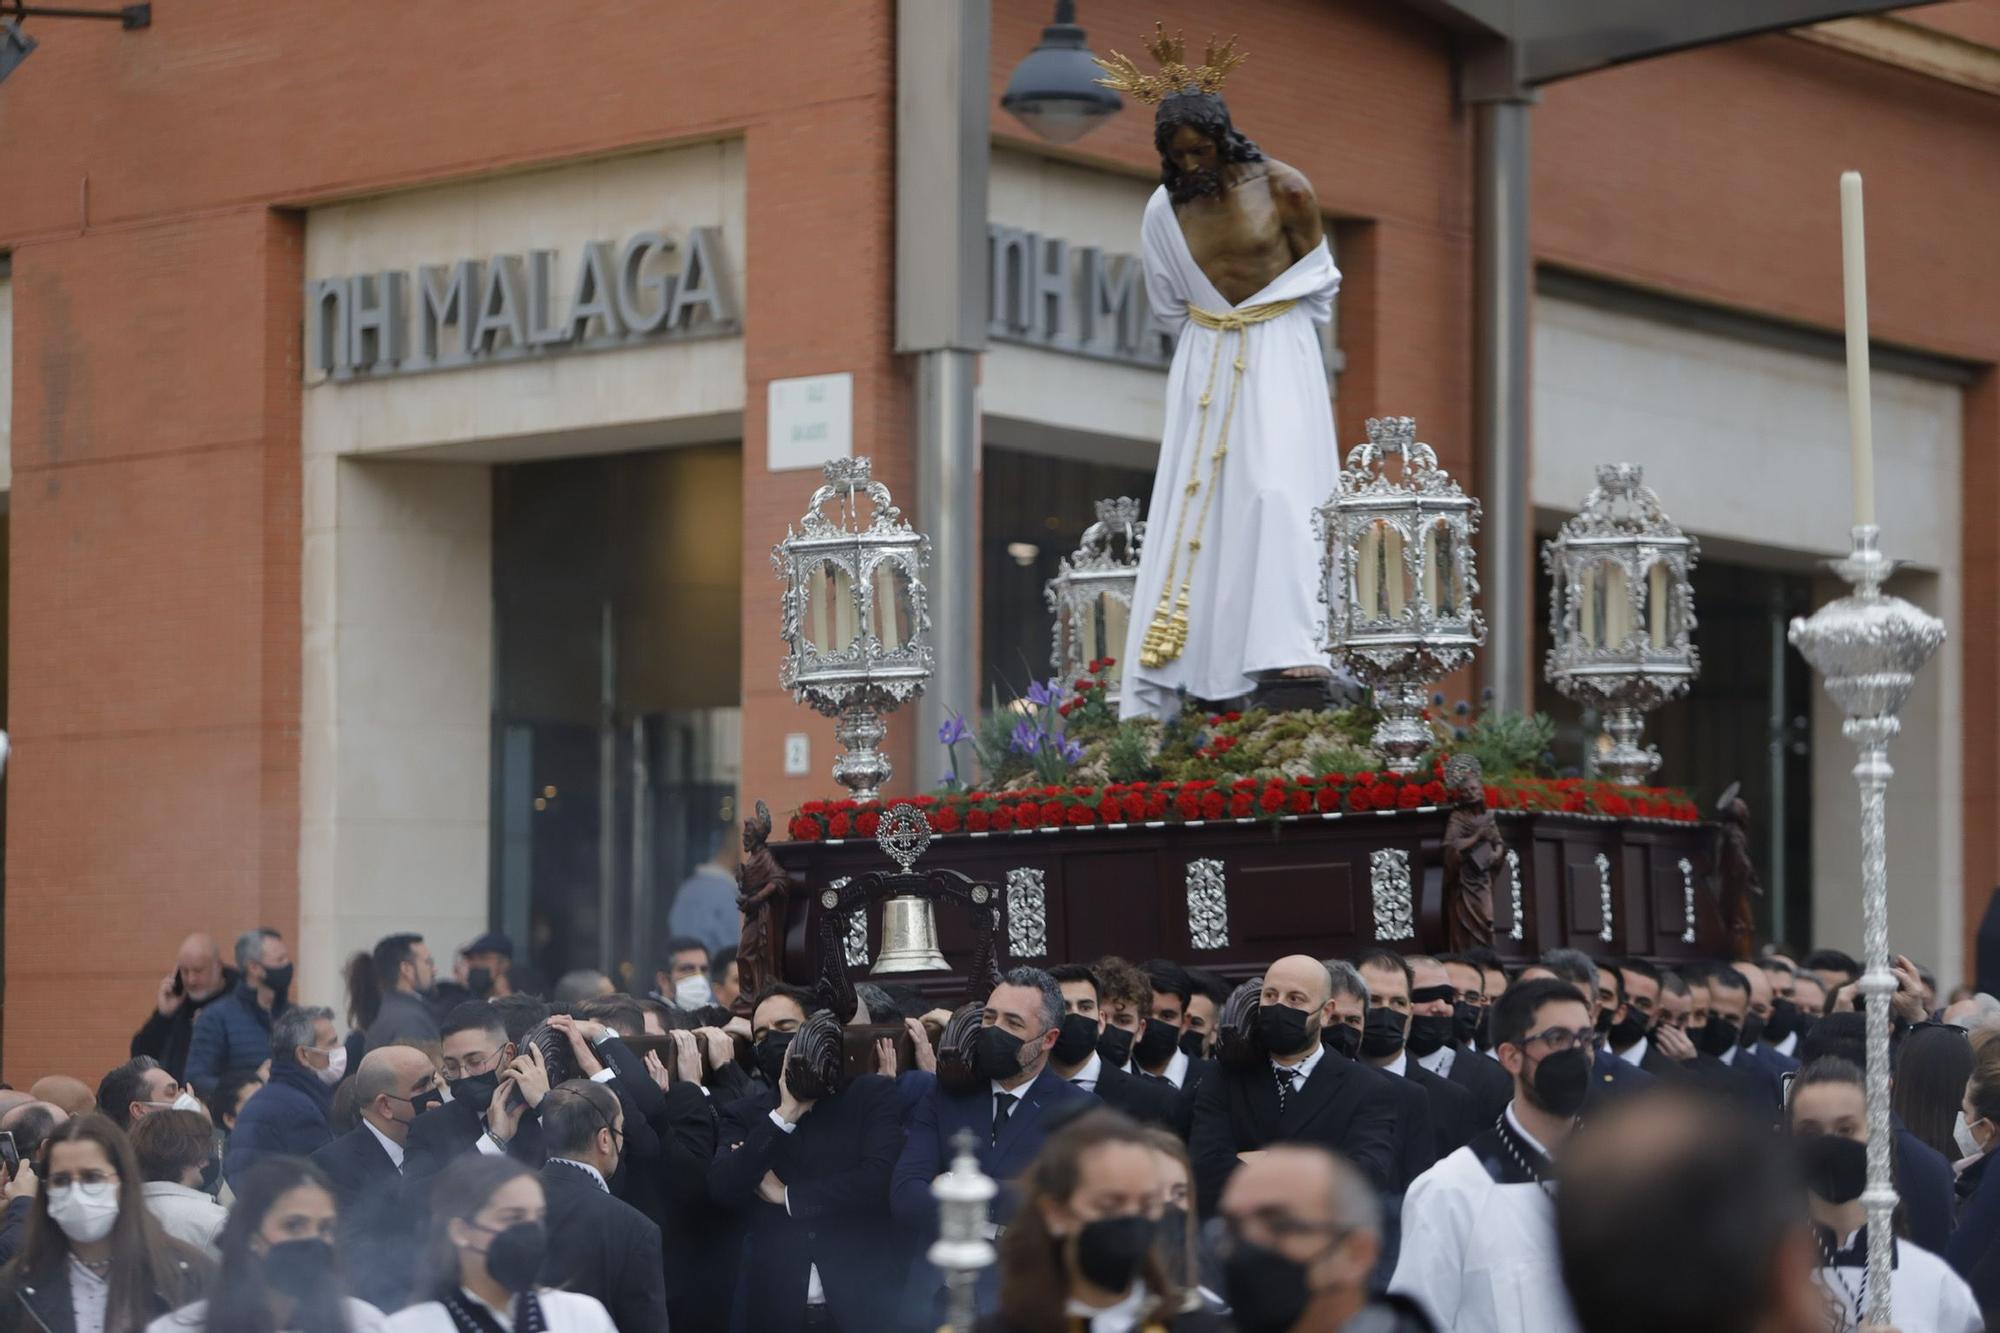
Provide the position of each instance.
(855, 617)
(1091, 594)
(1398, 579)
(1621, 613)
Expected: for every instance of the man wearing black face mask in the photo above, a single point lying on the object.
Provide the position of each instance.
(1009, 1109)
(1303, 1232)
(1158, 1052)
(598, 1244)
(1478, 1239)
(393, 1086)
(1075, 1056)
(1602, 989)
(233, 1035)
(1721, 1058)
(1754, 1040)
(476, 1051)
(1297, 1090)
(1395, 1028)
(1465, 1061)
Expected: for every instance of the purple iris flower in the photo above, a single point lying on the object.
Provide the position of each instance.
(1027, 737)
(952, 731)
(1040, 695)
(1071, 751)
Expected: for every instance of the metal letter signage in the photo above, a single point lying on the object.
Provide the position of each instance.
(472, 312)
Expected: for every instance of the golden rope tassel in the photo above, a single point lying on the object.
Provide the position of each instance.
(1167, 632)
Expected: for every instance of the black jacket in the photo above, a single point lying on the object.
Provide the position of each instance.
(40, 1302)
(1346, 1106)
(443, 1132)
(1454, 1110)
(836, 1166)
(1481, 1075)
(166, 1037)
(378, 1223)
(403, 1019)
(1148, 1100)
(701, 1246)
(605, 1248)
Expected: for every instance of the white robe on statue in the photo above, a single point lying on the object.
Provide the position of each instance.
(1253, 604)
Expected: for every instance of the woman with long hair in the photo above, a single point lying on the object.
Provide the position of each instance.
(94, 1259)
(1828, 1120)
(280, 1270)
(1933, 1060)
(1080, 1253)
(488, 1241)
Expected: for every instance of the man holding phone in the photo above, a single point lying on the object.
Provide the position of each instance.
(198, 980)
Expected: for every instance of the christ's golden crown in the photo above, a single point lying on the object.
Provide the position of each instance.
(1175, 75)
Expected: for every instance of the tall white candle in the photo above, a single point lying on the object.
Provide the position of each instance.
(1854, 282)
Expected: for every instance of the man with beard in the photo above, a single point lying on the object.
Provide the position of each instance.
(1602, 989)
(479, 1061)
(1721, 1058)
(198, 980)
(1295, 1090)
(1238, 268)
(1410, 1015)
(1160, 1053)
(1076, 1058)
(1479, 1251)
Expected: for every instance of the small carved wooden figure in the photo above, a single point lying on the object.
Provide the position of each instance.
(1472, 847)
(1737, 875)
(762, 887)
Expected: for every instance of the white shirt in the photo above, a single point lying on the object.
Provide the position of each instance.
(1175, 1072)
(1440, 1061)
(1728, 1057)
(89, 1296)
(586, 1168)
(361, 1318)
(1400, 1066)
(815, 1290)
(1633, 1054)
(1480, 1256)
(389, 1145)
(566, 1312)
(1925, 1295)
(1120, 1318)
(1086, 1077)
(1786, 1047)
(1305, 1067)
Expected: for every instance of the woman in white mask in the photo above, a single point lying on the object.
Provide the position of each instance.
(95, 1260)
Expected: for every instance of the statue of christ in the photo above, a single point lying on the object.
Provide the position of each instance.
(1238, 267)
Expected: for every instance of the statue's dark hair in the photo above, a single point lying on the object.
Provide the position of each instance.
(1208, 114)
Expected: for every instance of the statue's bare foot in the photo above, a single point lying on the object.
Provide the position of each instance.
(1307, 673)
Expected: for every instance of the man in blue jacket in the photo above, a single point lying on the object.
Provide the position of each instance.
(233, 1035)
(291, 1115)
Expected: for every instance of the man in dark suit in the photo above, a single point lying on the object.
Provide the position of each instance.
(477, 1054)
(598, 1245)
(1172, 991)
(1603, 990)
(1460, 1061)
(1296, 1091)
(1751, 1040)
(1722, 1059)
(1346, 1036)
(393, 1086)
(405, 972)
(1393, 1018)
(1075, 1057)
(812, 1178)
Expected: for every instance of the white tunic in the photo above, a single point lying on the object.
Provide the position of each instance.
(1253, 604)
(1925, 1295)
(361, 1318)
(1479, 1246)
(566, 1312)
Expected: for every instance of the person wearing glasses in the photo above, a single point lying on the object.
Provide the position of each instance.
(364, 1167)
(1301, 1231)
(1479, 1250)
(598, 1245)
(477, 1058)
(94, 1258)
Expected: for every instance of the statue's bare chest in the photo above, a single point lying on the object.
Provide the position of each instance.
(1237, 238)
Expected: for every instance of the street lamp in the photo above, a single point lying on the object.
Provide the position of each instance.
(1054, 90)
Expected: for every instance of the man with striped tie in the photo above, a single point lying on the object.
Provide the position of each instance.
(1293, 1090)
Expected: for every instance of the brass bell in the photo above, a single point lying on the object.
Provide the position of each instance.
(909, 937)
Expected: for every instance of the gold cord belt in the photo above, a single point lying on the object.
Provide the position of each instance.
(1166, 634)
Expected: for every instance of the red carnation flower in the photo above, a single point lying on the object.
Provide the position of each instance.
(1573, 803)
(1232, 717)
(1027, 815)
(813, 808)
(1156, 807)
(1082, 687)
(1188, 803)
(1335, 780)
(1434, 792)
(978, 821)
(1240, 805)
(923, 802)
(1363, 779)
(802, 829)
(1134, 807)
(1359, 798)
(1051, 791)
(1301, 802)
(1109, 662)
(1272, 801)
(1410, 797)
(840, 825)
(1081, 814)
(1212, 805)
(1109, 810)
(1052, 812)
(944, 819)
(1243, 785)
(1083, 791)
(868, 823)
(1328, 800)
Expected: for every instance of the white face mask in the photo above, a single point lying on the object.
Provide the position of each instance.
(336, 1066)
(86, 1213)
(693, 992)
(187, 1101)
(1962, 1135)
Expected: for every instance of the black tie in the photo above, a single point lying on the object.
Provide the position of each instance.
(1285, 1079)
(1003, 1106)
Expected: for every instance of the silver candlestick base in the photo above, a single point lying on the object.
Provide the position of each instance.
(862, 768)
(1869, 648)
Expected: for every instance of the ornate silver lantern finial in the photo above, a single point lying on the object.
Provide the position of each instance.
(1091, 594)
(962, 1249)
(855, 615)
(1621, 613)
(1398, 578)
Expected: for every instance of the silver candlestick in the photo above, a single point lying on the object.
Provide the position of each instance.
(1869, 648)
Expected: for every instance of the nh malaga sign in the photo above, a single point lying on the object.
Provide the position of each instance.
(472, 312)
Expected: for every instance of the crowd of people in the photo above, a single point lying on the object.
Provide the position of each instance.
(1377, 1143)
